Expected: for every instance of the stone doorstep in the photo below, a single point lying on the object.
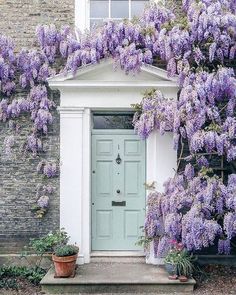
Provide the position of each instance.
(116, 278)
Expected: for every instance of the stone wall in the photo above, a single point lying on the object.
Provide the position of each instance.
(19, 18)
(18, 177)
(18, 186)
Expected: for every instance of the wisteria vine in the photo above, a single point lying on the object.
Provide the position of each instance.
(197, 207)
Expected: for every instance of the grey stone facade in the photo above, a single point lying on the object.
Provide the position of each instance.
(19, 18)
(18, 177)
(18, 186)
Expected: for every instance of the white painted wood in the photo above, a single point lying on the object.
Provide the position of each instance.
(71, 147)
(86, 187)
(104, 71)
(81, 15)
(86, 92)
(111, 84)
(106, 98)
(161, 165)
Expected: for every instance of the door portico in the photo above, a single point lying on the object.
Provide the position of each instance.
(99, 88)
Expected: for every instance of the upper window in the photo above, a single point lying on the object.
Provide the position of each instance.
(114, 9)
(113, 121)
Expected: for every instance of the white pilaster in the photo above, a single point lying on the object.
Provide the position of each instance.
(161, 158)
(86, 188)
(82, 14)
(71, 175)
(161, 164)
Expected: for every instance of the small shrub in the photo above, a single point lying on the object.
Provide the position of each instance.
(47, 243)
(66, 250)
(181, 259)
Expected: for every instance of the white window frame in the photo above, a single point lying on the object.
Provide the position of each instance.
(82, 14)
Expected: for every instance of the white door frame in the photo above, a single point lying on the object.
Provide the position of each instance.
(75, 179)
(99, 88)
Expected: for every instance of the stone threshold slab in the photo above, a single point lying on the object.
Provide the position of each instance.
(116, 278)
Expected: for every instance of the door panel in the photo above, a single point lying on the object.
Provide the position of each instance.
(118, 192)
(132, 147)
(132, 224)
(104, 224)
(131, 184)
(104, 180)
(104, 147)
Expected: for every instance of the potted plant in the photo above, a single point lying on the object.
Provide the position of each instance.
(64, 259)
(178, 262)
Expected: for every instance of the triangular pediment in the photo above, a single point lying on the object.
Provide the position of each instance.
(105, 72)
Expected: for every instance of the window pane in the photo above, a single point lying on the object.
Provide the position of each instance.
(122, 121)
(99, 8)
(137, 7)
(119, 8)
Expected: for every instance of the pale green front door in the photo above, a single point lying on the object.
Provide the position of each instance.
(118, 191)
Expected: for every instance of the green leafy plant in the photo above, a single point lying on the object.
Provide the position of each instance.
(8, 275)
(48, 243)
(179, 257)
(8, 283)
(66, 250)
(44, 246)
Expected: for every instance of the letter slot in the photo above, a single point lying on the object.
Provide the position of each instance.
(118, 203)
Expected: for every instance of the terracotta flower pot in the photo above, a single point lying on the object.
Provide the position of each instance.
(64, 266)
(183, 279)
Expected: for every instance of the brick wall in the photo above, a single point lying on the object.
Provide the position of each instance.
(18, 177)
(19, 18)
(18, 185)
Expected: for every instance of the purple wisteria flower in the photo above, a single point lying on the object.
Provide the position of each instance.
(48, 169)
(224, 246)
(43, 202)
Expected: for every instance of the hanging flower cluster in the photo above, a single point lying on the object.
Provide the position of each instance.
(196, 210)
(155, 112)
(48, 169)
(206, 37)
(130, 43)
(206, 110)
(7, 66)
(41, 207)
(33, 66)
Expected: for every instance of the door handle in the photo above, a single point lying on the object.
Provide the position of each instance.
(118, 191)
(118, 159)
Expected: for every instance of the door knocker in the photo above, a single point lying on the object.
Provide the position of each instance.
(118, 159)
